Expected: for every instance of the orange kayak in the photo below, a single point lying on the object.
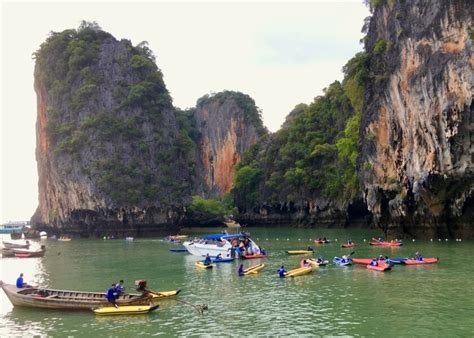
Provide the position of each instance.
(424, 261)
(347, 245)
(386, 243)
(382, 267)
(363, 261)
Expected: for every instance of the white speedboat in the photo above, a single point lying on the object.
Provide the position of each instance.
(226, 245)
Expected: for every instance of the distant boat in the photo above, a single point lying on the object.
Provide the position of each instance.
(129, 239)
(64, 239)
(232, 224)
(12, 227)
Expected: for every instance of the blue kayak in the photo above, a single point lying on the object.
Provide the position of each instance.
(179, 250)
(223, 260)
(340, 261)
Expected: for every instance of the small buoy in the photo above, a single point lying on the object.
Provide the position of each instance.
(258, 239)
(439, 239)
(299, 239)
(364, 239)
(446, 239)
(266, 239)
(413, 239)
(336, 239)
(310, 239)
(460, 240)
(277, 239)
(431, 240)
(287, 239)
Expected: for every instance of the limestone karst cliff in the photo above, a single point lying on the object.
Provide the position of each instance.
(416, 163)
(229, 123)
(113, 153)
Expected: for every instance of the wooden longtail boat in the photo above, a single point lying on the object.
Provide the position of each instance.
(67, 300)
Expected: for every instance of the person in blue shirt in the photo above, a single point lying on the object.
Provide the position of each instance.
(345, 259)
(119, 288)
(219, 257)
(418, 257)
(241, 270)
(112, 295)
(374, 262)
(320, 259)
(20, 283)
(281, 271)
(207, 260)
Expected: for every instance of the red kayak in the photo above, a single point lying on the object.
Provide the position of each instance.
(347, 245)
(382, 267)
(424, 261)
(363, 261)
(254, 256)
(386, 243)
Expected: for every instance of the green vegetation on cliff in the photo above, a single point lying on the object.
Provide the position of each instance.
(314, 155)
(110, 116)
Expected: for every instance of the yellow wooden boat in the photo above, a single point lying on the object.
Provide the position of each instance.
(299, 272)
(254, 269)
(299, 252)
(125, 310)
(314, 262)
(202, 266)
(163, 294)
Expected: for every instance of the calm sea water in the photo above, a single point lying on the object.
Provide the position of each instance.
(432, 300)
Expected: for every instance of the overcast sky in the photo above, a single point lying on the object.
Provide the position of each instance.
(279, 53)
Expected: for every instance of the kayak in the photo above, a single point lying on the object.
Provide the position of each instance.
(386, 243)
(317, 241)
(125, 310)
(223, 260)
(338, 261)
(347, 245)
(163, 294)
(314, 262)
(254, 269)
(382, 267)
(424, 261)
(298, 272)
(179, 250)
(254, 256)
(363, 261)
(202, 266)
(299, 252)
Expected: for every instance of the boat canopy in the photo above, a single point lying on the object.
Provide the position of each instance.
(218, 237)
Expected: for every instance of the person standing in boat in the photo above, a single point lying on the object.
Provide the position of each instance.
(112, 295)
(20, 283)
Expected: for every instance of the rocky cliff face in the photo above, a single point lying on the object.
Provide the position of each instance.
(108, 146)
(114, 155)
(229, 123)
(416, 163)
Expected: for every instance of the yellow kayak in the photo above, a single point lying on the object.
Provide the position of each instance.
(298, 272)
(299, 252)
(202, 266)
(164, 294)
(314, 262)
(125, 310)
(254, 269)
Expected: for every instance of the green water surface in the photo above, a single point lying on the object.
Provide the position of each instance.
(422, 301)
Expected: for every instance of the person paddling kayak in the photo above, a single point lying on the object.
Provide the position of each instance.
(281, 272)
(241, 270)
(418, 257)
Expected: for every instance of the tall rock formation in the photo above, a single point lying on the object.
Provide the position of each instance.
(114, 155)
(229, 123)
(416, 165)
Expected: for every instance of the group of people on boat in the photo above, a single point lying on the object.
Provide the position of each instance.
(245, 247)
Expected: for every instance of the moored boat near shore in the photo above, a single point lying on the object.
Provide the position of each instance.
(225, 245)
(67, 300)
